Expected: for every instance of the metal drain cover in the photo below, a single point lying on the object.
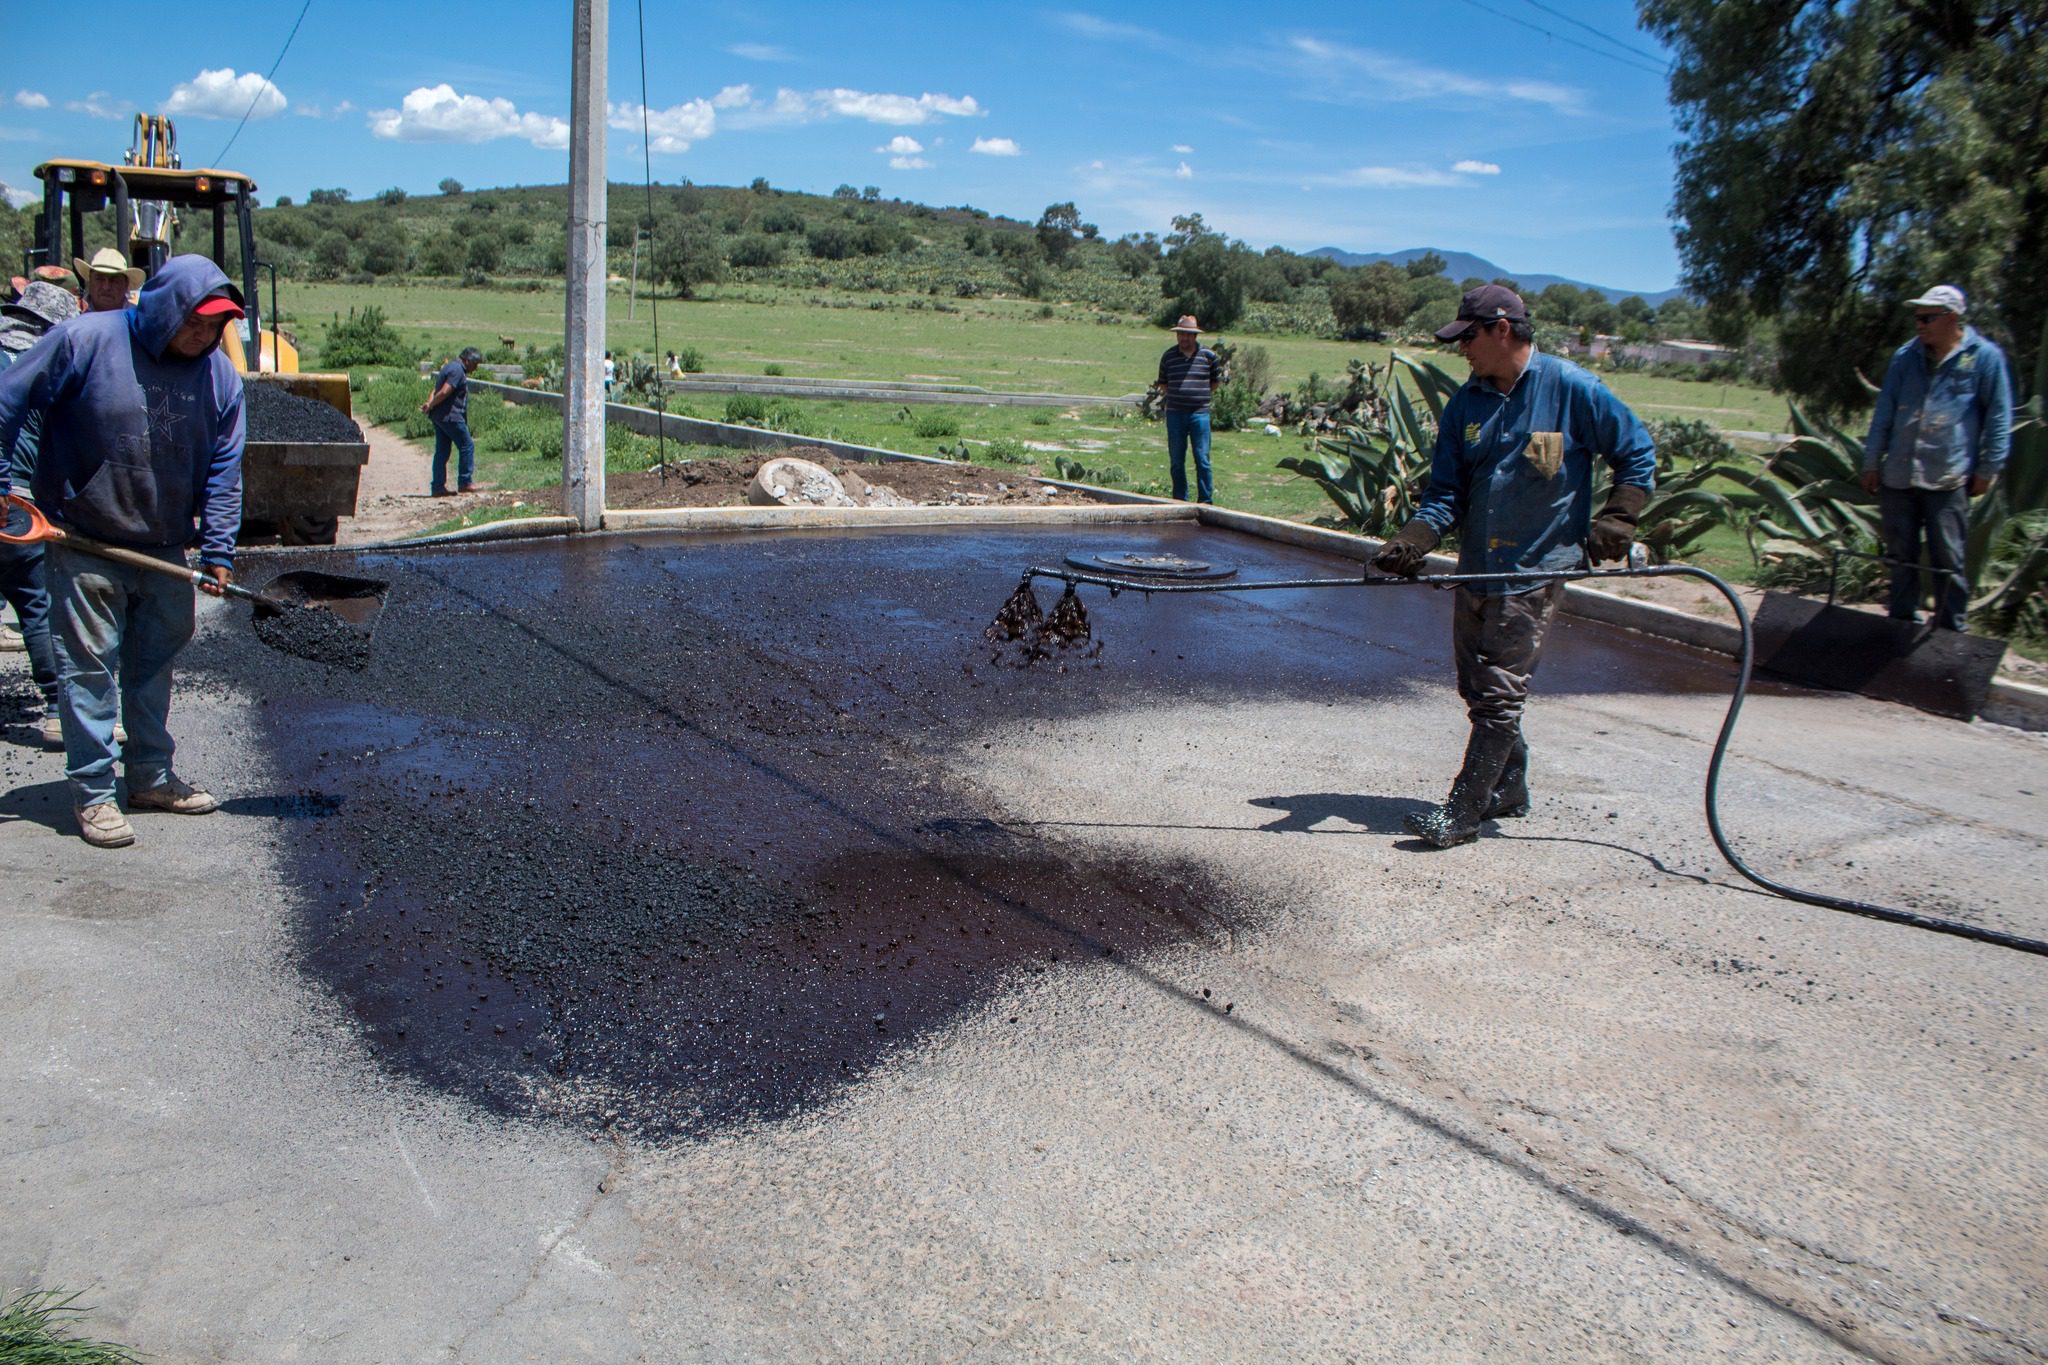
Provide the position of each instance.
(1148, 564)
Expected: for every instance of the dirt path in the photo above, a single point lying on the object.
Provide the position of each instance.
(392, 500)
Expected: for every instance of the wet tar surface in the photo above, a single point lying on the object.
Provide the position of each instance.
(652, 834)
(272, 414)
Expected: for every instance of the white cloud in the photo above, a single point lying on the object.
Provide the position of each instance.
(761, 52)
(223, 94)
(17, 199)
(435, 113)
(99, 104)
(668, 130)
(1469, 167)
(1183, 172)
(1107, 30)
(909, 163)
(996, 146)
(733, 97)
(901, 145)
(31, 99)
(1388, 178)
(1182, 149)
(896, 109)
(1388, 77)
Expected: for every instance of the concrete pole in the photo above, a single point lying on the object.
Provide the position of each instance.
(583, 368)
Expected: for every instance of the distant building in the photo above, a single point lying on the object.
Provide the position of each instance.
(1650, 352)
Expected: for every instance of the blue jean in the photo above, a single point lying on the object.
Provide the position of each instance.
(21, 582)
(453, 433)
(1184, 429)
(114, 627)
(1942, 517)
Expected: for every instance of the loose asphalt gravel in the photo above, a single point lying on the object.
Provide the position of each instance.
(713, 947)
(273, 413)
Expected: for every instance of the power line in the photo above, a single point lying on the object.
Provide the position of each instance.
(1601, 34)
(653, 308)
(1570, 42)
(266, 82)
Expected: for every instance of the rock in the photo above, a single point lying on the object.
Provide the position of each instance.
(790, 482)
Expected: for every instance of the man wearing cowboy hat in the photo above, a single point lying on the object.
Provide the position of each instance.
(141, 448)
(1188, 375)
(109, 280)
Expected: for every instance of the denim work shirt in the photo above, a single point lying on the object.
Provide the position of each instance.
(1936, 426)
(1513, 472)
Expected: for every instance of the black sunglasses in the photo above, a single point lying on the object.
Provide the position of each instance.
(1470, 333)
(1924, 318)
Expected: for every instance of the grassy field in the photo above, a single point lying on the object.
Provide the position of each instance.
(1004, 344)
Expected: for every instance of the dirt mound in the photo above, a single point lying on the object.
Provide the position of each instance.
(723, 482)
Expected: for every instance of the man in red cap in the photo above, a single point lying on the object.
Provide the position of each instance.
(141, 447)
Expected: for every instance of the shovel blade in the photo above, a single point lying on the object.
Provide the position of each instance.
(326, 618)
(355, 600)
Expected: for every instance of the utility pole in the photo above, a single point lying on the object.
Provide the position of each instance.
(583, 365)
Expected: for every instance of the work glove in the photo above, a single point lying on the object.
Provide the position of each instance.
(1406, 549)
(1614, 530)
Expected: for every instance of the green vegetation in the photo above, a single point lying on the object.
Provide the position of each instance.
(35, 1329)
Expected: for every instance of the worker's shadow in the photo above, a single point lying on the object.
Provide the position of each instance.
(43, 803)
(1306, 813)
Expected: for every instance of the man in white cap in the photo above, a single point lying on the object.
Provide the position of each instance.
(1939, 437)
(109, 280)
(1189, 373)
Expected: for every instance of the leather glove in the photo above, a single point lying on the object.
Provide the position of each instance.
(1614, 530)
(1406, 549)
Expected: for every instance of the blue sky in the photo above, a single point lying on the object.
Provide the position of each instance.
(1372, 126)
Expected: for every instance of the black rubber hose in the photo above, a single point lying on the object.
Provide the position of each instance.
(1746, 658)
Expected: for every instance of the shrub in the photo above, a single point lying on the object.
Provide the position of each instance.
(933, 426)
(746, 409)
(1008, 450)
(691, 360)
(1236, 403)
(365, 338)
(771, 370)
(755, 249)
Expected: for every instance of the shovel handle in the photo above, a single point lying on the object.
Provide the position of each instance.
(135, 559)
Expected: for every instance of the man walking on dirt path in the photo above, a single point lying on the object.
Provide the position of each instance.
(1513, 473)
(1188, 375)
(142, 438)
(23, 324)
(1939, 437)
(448, 409)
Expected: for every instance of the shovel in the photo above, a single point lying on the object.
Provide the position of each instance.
(324, 617)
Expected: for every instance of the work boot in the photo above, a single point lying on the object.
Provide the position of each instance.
(1458, 819)
(1511, 795)
(52, 731)
(175, 795)
(103, 825)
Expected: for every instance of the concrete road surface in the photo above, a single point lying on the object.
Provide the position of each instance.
(1576, 1091)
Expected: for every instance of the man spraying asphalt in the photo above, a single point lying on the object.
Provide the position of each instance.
(1513, 474)
(141, 443)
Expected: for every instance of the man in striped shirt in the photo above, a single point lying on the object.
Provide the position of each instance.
(1188, 376)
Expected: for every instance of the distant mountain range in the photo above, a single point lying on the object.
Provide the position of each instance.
(1463, 265)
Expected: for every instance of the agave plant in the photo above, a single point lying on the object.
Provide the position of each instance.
(1376, 460)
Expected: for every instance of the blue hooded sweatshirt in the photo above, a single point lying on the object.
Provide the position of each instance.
(138, 444)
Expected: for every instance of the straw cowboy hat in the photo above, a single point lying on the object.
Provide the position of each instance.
(108, 261)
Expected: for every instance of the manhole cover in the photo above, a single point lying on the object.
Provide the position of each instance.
(1149, 565)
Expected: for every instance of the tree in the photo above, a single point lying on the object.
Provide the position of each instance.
(384, 251)
(760, 185)
(829, 241)
(283, 201)
(392, 197)
(441, 254)
(450, 186)
(870, 194)
(846, 192)
(332, 254)
(327, 197)
(1056, 229)
(1373, 298)
(686, 254)
(1206, 276)
(1129, 258)
(485, 252)
(1837, 158)
(1425, 265)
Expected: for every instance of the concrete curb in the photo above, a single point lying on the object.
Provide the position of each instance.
(815, 518)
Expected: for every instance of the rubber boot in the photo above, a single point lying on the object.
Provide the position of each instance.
(1458, 819)
(1511, 795)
